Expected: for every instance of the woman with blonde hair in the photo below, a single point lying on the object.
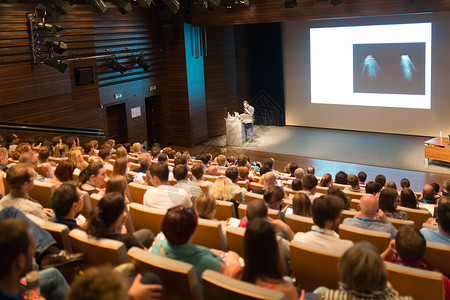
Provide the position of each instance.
(136, 148)
(61, 151)
(222, 189)
(205, 206)
(121, 152)
(118, 183)
(77, 158)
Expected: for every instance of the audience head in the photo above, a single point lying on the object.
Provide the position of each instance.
(373, 188)
(163, 158)
(341, 177)
(301, 205)
(136, 148)
(362, 176)
(404, 183)
(205, 158)
(260, 251)
(326, 180)
(17, 246)
(388, 200)
(180, 172)
(158, 173)
(213, 171)
(408, 198)
(368, 205)
(64, 170)
(353, 181)
(121, 152)
(76, 156)
(428, 192)
(391, 184)
(446, 185)
(12, 139)
(297, 184)
(144, 159)
(309, 182)
(3, 156)
(410, 244)
(243, 173)
(274, 196)
(264, 169)
(110, 211)
(292, 167)
(232, 173)
(179, 224)
(335, 191)
(117, 184)
(21, 148)
(221, 160)
(443, 217)
(65, 199)
(270, 162)
(180, 160)
(256, 209)
(205, 206)
(436, 187)
(269, 180)
(44, 153)
(222, 189)
(95, 173)
(120, 166)
(242, 160)
(299, 173)
(381, 179)
(29, 158)
(20, 177)
(310, 170)
(326, 211)
(197, 171)
(361, 269)
(61, 150)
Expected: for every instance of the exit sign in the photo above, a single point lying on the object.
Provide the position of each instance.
(153, 88)
(118, 96)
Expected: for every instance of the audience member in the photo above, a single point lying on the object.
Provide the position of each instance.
(211, 171)
(310, 170)
(222, 189)
(408, 198)
(198, 172)
(388, 203)
(92, 178)
(340, 177)
(391, 185)
(373, 188)
(309, 186)
(30, 157)
(3, 159)
(67, 202)
(61, 151)
(180, 172)
(301, 205)
(144, 161)
(63, 172)
(205, 206)
(326, 180)
(404, 183)
(442, 234)
(297, 184)
(21, 148)
(445, 186)
(362, 176)
(105, 154)
(326, 214)
(76, 156)
(428, 195)
(381, 179)
(269, 180)
(335, 191)
(163, 196)
(292, 167)
(233, 174)
(299, 173)
(368, 214)
(354, 187)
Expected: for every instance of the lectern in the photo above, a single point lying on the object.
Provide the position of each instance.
(235, 132)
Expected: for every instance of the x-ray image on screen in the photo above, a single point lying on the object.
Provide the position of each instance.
(389, 68)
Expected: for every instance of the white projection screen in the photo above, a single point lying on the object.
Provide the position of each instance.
(379, 74)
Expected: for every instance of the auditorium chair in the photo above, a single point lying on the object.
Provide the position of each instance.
(56, 160)
(252, 196)
(42, 192)
(341, 186)
(290, 192)
(437, 256)
(235, 239)
(256, 186)
(95, 198)
(209, 234)
(204, 188)
(178, 278)
(414, 282)
(354, 195)
(242, 209)
(431, 226)
(347, 214)
(399, 223)
(321, 189)
(355, 204)
(314, 267)
(137, 191)
(6, 185)
(133, 166)
(242, 184)
(224, 210)
(59, 232)
(210, 178)
(98, 251)
(146, 217)
(41, 171)
(419, 216)
(299, 223)
(86, 204)
(377, 238)
(221, 287)
(172, 182)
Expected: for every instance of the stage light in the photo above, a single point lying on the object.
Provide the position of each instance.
(116, 66)
(336, 2)
(202, 5)
(58, 46)
(54, 28)
(242, 3)
(143, 63)
(99, 6)
(173, 5)
(124, 7)
(229, 6)
(56, 63)
(63, 6)
(290, 3)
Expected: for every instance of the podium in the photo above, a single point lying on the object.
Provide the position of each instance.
(235, 132)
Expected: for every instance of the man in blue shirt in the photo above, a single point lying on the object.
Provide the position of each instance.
(442, 234)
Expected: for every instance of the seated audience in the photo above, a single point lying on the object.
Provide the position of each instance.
(163, 196)
(233, 174)
(108, 220)
(299, 173)
(362, 176)
(301, 205)
(309, 187)
(222, 163)
(30, 157)
(205, 206)
(3, 159)
(428, 195)
(326, 214)
(442, 234)
(445, 185)
(391, 185)
(340, 177)
(198, 172)
(354, 187)
(63, 172)
(105, 154)
(180, 172)
(310, 170)
(92, 178)
(144, 160)
(326, 180)
(21, 148)
(292, 167)
(274, 197)
(408, 198)
(12, 140)
(388, 203)
(118, 183)
(268, 180)
(61, 151)
(335, 191)
(373, 188)
(404, 183)
(178, 226)
(244, 173)
(43, 155)
(76, 156)
(261, 257)
(211, 170)
(222, 189)
(136, 148)
(362, 275)
(368, 215)
(67, 203)
(297, 184)
(381, 179)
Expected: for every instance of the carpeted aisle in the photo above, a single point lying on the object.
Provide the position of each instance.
(375, 149)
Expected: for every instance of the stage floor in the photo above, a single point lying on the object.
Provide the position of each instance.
(363, 148)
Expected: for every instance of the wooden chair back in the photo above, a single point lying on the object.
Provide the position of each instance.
(42, 192)
(235, 239)
(242, 210)
(179, 279)
(437, 256)
(204, 188)
(252, 196)
(354, 195)
(137, 191)
(6, 185)
(399, 223)
(98, 251)
(87, 204)
(355, 204)
(224, 210)
(419, 216)
(210, 178)
(94, 199)
(41, 171)
(146, 217)
(209, 234)
(59, 232)
(377, 238)
(133, 166)
(314, 267)
(256, 186)
(347, 214)
(417, 283)
(220, 287)
(299, 223)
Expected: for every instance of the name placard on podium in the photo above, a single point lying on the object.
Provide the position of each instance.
(235, 132)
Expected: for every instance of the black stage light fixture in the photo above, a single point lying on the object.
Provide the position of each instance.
(142, 62)
(58, 46)
(229, 8)
(336, 2)
(202, 5)
(56, 63)
(124, 6)
(99, 6)
(290, 3)
(241, 3)
(173, 5)
(62, 6)
(116, 66)
(54, 28)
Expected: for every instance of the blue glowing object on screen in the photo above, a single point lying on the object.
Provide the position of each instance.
(407, 67)
(370, 66)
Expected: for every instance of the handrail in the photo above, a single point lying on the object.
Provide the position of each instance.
(52, 129)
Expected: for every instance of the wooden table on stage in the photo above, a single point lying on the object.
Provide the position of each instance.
(437, 148)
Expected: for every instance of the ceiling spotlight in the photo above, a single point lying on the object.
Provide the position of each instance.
(229, 6)
(336, 2)
(242, 2)
(54, 28)
(116, 66)
(58, 46)
(143, 63)
(56, 63)
(173, 5)
(124, 6)
(99, 6)
(290, 3)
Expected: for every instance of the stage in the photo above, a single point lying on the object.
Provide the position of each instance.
(404, 152)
